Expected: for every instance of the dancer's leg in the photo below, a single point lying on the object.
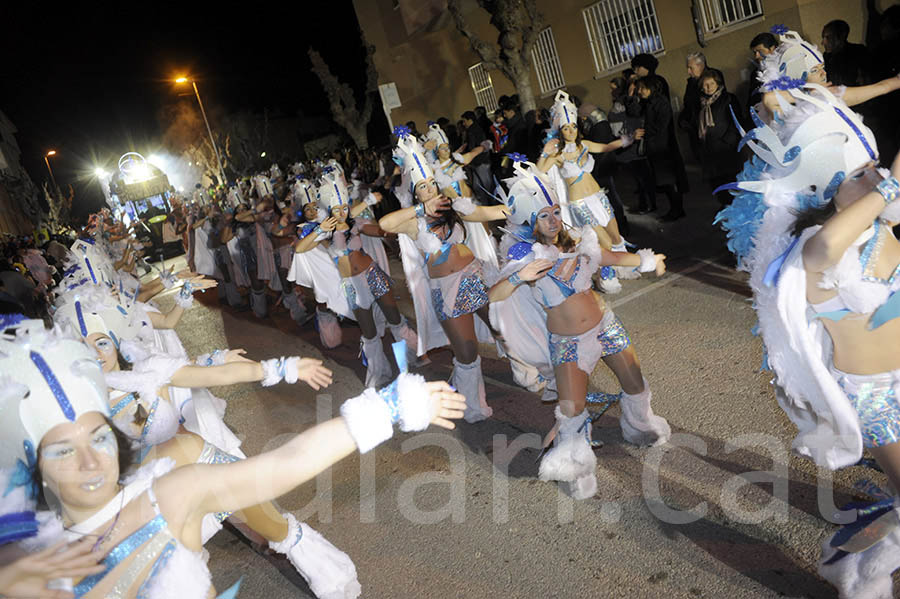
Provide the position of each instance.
(467, 377)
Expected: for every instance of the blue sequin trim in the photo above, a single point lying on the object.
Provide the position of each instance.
(120, 552)
(392, 398)
(379, 282)
(878, 410)
(54, 385)
(472, 295)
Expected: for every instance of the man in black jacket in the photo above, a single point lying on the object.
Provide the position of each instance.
(480, 165)
(687, 118)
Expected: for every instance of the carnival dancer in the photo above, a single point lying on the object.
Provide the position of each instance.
(149, 527)
(584, 203)
(451, 180)
(558, 265)
(314, 270)
(797, 63)
(454, 276)
(811, 222)
(364, 283)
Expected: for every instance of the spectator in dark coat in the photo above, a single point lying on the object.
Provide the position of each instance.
(717, 132)
(450, 130)
(687, 119)
(480, 165)
(645, 65)
(845, 63)
(661, 147)
(761, 46)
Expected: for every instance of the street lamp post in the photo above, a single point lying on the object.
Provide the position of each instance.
(50, 170)
(208, 130)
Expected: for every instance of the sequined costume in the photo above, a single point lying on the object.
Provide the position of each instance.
(607, 337)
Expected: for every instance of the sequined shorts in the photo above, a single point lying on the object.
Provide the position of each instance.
(363, 289)
(606, 338)
(874, 397)
(592, 211)
(467, 286)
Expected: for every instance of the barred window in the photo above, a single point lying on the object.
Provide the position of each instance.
(546, 63)
(483, 87)
(617, 30)
(717, 15)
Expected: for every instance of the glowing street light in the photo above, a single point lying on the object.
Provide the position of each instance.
(47, 161)
(263, 155)
(101, 174)
(208, 130)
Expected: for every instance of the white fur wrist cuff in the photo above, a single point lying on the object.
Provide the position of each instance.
(459, 158)
(464, 205)
(184, 301)
(371, 200)
(648, 260)
(168, 280)
(216, 358)
(891, 213)
(415, 407)
(273, 371)
(368, 419)
(290, 370)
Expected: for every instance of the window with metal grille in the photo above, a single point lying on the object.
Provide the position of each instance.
(546, 62)
(617, 30)
(717, 15)
(483, 87)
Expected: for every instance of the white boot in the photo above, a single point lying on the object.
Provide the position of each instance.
(329, 571)
(571, 461)
(403, 332)
(639, 424)
(863, 575)
(258, 303)
(329, 328)
(378, 368)
(467, 380)
(231, 294)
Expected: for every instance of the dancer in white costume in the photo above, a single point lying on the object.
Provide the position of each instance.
(451, 180)
(364, 283)
(149, 527)
(455, 278)
(811, 222)
(580, 329)
(314, 269)
(584, 203)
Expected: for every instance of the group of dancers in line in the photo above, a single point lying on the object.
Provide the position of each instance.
(108, 426)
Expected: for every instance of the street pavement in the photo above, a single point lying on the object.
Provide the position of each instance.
(722, 511)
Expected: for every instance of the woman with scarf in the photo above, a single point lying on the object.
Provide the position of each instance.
(717, 133)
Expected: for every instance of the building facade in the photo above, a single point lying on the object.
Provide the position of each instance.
(20, 211)
(585, 44)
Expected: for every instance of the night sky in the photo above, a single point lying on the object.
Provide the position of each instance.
(90, 81)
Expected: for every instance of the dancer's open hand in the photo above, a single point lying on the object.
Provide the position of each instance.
(329, 224)
(313, 373)
(28, 576)
(535, 269)
(236, 355)
(446, 404)
(200, 282)
(436, 205)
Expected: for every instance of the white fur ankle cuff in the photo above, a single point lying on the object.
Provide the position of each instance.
(368, 419)
(648, 260)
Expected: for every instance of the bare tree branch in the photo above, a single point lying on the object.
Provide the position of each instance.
(518, 24)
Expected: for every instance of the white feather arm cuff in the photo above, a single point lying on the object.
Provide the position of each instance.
(464, 205)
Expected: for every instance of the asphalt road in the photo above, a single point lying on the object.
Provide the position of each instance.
(723, 511)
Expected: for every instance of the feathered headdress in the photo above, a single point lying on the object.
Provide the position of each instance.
(562, 112)
(332, 192)
(412, 156)
(48, 379)
(530, 191)
(789, 65)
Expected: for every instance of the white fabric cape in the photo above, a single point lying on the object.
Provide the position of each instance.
(800, 352)
(316, 270)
